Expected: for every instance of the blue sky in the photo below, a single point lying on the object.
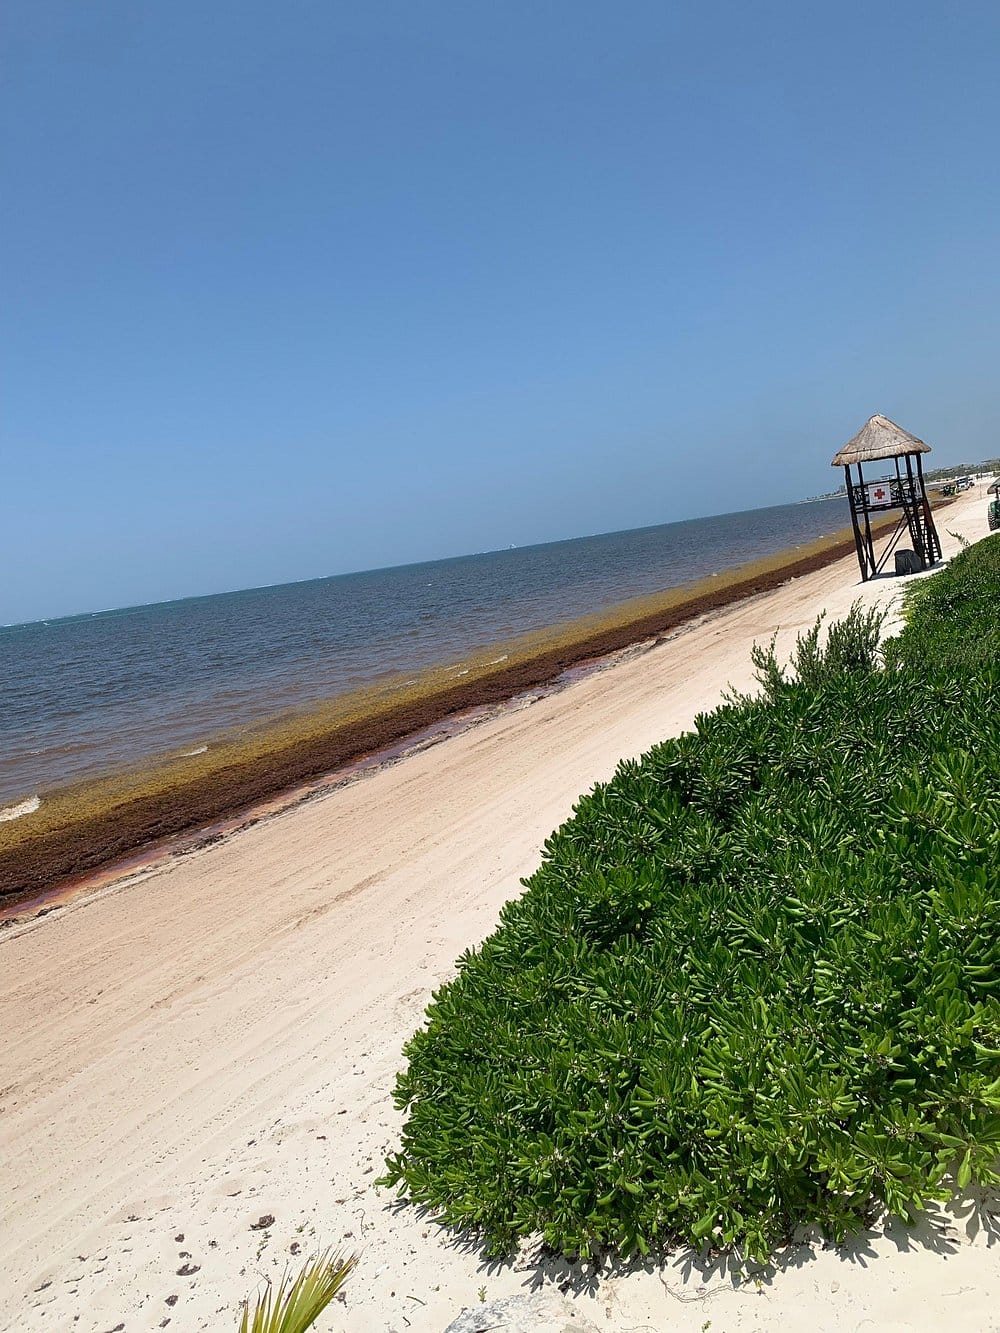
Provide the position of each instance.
(303, 288)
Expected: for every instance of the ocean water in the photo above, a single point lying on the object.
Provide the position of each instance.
(87, 694)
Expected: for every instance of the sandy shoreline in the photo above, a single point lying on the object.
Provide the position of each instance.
(120, 821)
(215, 1041)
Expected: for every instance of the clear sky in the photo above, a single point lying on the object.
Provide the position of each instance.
(304, 287)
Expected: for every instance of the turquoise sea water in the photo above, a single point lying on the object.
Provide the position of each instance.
(86, 694)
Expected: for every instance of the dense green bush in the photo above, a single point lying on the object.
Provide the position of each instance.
(954, 618)
(756, 980)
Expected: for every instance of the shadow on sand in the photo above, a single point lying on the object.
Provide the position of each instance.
(692, 1276)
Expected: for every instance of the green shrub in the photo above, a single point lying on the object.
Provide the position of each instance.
(754, 983)
(953, 618)
(851, 646)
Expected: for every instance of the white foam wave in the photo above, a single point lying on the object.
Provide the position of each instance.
(27, 807)
(188, 753)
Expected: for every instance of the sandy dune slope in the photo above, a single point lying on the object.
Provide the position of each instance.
(212, 1045)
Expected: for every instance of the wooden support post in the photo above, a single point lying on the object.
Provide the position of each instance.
(854, 522)
(869, 543)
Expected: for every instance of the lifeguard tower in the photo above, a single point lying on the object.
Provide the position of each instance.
(881, 439)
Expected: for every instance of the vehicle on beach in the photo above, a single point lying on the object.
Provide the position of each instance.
(957, 485)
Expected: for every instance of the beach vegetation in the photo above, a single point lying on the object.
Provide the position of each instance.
(851, 645)
(296, 1302)
(755, 982)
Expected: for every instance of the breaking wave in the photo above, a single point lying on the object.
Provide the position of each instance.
(27, 807)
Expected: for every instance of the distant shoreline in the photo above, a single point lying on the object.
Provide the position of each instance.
(105, 823)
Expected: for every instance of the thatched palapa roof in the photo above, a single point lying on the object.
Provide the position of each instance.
(879, 438)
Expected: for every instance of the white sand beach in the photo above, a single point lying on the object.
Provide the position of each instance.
(213, 1043)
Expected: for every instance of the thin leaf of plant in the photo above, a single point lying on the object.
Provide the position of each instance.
(296, 1303)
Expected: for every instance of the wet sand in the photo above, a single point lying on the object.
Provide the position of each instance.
(120, 821)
